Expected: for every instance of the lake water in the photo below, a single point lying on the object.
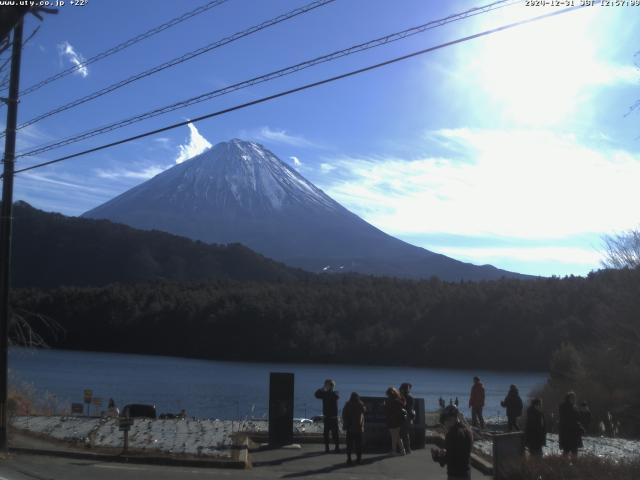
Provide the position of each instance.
(212, 389)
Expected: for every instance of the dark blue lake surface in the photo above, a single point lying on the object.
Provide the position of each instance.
(211, 389)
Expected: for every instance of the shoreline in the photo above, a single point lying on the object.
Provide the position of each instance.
(319, 363)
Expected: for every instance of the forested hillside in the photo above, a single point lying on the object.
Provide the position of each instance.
(51, 250)
(506, 324)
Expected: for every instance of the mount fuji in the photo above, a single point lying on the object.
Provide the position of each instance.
(239, 191)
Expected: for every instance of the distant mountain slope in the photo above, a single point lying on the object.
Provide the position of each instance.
(52, 250)
(241, 192)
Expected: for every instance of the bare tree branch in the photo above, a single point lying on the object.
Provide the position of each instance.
(23, 333)
(622, 250)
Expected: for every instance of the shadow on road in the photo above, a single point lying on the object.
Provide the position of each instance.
(280, 461)
(333, 468)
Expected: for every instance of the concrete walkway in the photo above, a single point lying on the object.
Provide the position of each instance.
(311, 462)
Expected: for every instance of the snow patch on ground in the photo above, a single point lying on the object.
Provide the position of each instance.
(69, 429)
(614, 448)
(176, 436)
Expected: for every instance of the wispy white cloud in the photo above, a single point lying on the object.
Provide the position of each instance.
(267, 134)
(296, 161)
(511, 183)
(67, 182)
(66, 50)
(142, 174)
(326, 167)
(495, 255)
(65, 193)
(614, 74)
(195, 146)
(162, 141)
(30, 136)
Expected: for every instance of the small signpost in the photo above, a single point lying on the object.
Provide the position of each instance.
(97, 402)
(376, 433)
(124, 425)
(88, 395)
(508, 451)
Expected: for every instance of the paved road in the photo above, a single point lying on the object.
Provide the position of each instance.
(307, 463)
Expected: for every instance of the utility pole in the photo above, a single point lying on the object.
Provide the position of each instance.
(5, 226)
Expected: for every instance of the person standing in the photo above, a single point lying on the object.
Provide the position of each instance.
(535, 431)
(112, 410)
(405, 428)
(353, 424)
(513, 403)
(476, 403)
(584, 417)
(329, 398)
(458, 442)
(569, 428)
(395, 413)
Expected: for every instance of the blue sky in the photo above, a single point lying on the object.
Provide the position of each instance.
(513, 150)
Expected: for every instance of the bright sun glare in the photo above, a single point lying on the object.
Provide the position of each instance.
(537, 72)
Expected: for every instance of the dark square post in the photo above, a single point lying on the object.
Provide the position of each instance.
(419, 428)
(280, 409)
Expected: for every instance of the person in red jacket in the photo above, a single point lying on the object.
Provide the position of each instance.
(476, 403)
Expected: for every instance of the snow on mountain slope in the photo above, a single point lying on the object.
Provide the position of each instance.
(233, 175)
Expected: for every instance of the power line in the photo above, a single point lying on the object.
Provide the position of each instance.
(303, 87)
(24, 44)
(271, 76)
(178, 60)
(125, 44)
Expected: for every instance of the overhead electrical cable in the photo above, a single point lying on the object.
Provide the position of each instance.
(6, 62)
(123, 45)
(178, 60)
(270, 76)
(303, 87)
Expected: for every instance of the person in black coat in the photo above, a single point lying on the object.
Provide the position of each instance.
(329, 398)
(405, 428)
(458, 442)
(569, 428)
(353, 424)
(535, 431)
(513, 403)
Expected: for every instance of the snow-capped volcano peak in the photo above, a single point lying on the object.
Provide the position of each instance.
(231, 178)
(245, 175)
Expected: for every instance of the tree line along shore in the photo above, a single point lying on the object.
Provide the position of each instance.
(580, 329)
